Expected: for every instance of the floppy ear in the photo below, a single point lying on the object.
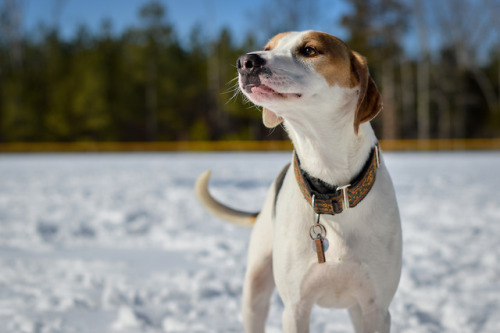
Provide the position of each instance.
(369, 99)
(270, 118)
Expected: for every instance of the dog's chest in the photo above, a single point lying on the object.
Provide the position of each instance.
(298, 273)
(296, 268)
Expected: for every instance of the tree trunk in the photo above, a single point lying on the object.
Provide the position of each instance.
(459, 128)
(407, 94)
(487, 88)
(151, 101)
(423, 81)
(390, 126)
(11, 24)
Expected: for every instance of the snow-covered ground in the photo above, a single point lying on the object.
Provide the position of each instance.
(118, 243)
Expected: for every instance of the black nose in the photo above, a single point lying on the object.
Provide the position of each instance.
(250, 63)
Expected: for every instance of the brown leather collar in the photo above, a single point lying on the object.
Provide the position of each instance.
(341, 197)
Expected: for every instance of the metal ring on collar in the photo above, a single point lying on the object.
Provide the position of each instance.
(317, 231)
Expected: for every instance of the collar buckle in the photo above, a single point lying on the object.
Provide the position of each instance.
(345, 195)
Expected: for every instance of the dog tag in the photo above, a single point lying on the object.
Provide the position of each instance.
(320, 251)
(317, 232)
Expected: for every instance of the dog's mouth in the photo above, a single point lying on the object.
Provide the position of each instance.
(263, 90)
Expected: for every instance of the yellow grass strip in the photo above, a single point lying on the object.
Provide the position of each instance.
(55, 147)
(441, 144)
(387, 145)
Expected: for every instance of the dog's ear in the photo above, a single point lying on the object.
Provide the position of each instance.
(270, 118)
(369, 99)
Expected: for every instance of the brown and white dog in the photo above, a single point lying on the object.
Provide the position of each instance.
(337, 186)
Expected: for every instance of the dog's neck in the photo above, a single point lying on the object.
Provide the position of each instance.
(329, 149)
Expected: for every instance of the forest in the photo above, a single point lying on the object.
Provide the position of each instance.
(145, 84)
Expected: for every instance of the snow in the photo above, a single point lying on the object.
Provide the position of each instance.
(118, 243)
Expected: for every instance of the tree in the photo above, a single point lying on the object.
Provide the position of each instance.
(423, 70)
(452, 21)
(294, 15)
(11, 20)
(152, 16)
(376, 29)
(145, 45)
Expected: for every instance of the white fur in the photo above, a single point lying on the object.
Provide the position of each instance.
(363, 262)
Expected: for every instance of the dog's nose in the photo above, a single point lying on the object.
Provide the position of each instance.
(249, 63)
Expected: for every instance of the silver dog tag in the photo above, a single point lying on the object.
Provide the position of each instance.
(324, 243)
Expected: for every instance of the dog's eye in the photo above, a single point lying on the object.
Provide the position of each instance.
(309, 51)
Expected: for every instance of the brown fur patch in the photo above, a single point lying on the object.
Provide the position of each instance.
(333, 59)
(369, 101)
(273, 42)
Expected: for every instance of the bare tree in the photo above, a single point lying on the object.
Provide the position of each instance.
(293, 15)
(11, 23)
(57, 12)
(468, 28)
(376, 30)
(407, 93)
(423, 71)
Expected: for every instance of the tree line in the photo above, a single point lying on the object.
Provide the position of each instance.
(144, 84)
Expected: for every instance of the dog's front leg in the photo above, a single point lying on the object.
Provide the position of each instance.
(259, 281)
(259, 285)
(296, 318)
(375, 320)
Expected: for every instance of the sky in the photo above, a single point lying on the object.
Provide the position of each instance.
(184, 14)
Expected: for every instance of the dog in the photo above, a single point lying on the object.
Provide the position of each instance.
(329, 232)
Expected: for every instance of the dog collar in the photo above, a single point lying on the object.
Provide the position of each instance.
(335, 199)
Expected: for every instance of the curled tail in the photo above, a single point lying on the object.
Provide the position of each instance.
(218, 209)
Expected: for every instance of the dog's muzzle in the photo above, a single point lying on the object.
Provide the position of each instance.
(250, 66)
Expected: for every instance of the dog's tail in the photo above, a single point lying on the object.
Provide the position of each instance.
(218, 209)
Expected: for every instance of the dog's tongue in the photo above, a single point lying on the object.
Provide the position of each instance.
(262, 89)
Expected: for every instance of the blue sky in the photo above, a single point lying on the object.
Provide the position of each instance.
(238, 15)
(184, 14)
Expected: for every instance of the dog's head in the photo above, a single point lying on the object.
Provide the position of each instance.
(301, 71)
